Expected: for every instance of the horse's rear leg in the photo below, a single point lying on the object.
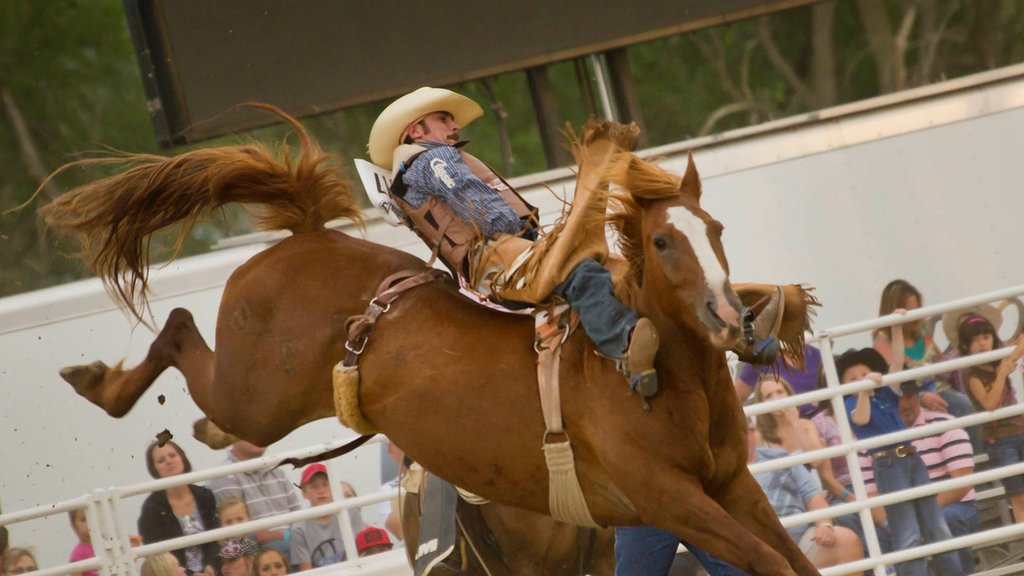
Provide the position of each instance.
(116, 390)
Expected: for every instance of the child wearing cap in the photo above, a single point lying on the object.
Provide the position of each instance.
(233, 510)
(316, 542)
(372, 541)
(896, 467)
(237, 556)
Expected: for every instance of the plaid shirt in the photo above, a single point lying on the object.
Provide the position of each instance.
(788, 489)
(441, 172)
(265, 492)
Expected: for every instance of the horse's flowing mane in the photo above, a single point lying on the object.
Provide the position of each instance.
(633, 178)
(299, 194)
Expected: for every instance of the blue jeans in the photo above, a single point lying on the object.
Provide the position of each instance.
(962, 519)
(915, 522)
(649, 551)
(588, 290)
(1003, 452)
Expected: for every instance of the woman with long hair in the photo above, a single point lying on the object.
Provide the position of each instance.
(179, 510)
(784, 428)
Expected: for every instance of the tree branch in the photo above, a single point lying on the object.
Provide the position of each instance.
(728, 109)
(764, 35)
(901, 41)
(26, 144)
(507, 161)
(717, 58)
(823, 61)
(880, 40)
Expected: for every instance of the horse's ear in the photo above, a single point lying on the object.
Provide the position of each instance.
(691, 180)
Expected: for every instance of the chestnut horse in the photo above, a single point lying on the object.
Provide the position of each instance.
(451, 382)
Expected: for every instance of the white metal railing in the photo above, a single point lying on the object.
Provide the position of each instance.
(850, 447)
(111, 539)
(115, 556)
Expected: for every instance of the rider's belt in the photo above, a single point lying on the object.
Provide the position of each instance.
(897, 452)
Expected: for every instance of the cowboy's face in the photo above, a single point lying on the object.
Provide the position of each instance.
(435, 127)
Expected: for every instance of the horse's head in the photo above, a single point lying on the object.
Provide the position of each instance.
(675, 249)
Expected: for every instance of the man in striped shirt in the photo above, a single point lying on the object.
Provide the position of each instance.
(266, 492)
(947, 455)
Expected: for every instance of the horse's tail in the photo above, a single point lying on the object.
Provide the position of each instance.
(114, 217)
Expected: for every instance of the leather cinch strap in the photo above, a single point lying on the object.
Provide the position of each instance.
(565, 495)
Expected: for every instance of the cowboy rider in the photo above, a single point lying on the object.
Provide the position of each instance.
(452, 200)
(418, 136)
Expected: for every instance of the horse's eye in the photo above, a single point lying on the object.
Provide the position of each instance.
(660, 243)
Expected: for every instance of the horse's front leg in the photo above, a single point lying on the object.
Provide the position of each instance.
(744, 499)
(674, 501)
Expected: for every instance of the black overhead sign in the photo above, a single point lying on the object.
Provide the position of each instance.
(199, 58)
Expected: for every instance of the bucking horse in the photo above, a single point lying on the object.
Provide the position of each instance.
(452, 382)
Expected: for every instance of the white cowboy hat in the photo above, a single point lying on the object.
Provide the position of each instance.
(992, 313)
(387, 131)
(951, 320)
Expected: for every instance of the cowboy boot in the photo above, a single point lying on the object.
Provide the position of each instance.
(638, 361)
(760, 327)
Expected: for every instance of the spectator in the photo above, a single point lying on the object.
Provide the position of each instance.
(83, 550)
(271, 562)
(785, 429)
(954, 379)
(875, 412)
(788, 368)
(372, 541)
(237, 556)
(5, 543)
(392, 521)
(19, 561)
(792, 491)
(265, 492)
(180, 510)
(232, 510)
(165, 564)
(990, 389)
(918, 348)
(355, 514)
(317, 541)
(946, 455)
(825, 423)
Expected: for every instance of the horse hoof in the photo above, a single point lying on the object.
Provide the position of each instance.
(210, 434)
(87, 380)
(84, 377)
